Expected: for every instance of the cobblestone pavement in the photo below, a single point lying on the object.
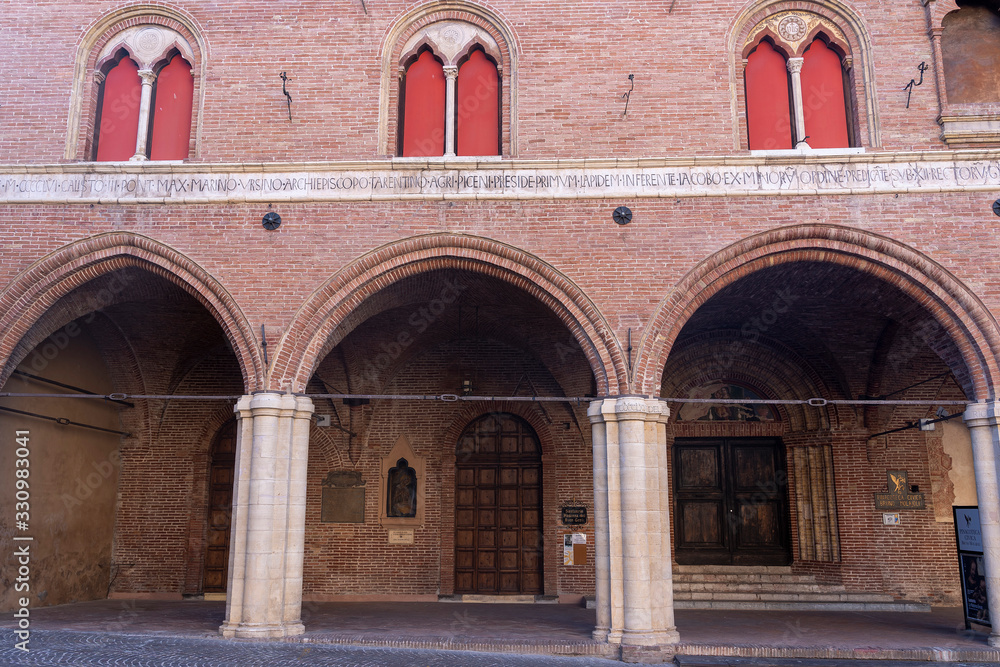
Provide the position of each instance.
(83, 649)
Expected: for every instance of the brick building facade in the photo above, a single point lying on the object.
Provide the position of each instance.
(447, 340)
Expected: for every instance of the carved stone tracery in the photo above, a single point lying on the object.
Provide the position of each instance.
(148, 45)
(451, 41)
(793, 32)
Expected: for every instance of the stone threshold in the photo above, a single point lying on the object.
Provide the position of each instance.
(500, 599)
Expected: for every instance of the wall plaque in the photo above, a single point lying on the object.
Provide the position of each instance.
(343, 497)
(574, 516)
(899, 496)
(398, 536)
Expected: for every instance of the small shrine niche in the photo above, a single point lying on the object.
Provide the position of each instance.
(402, 491)
(402, 487)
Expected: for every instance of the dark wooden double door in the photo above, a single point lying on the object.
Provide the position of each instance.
(731, 502)
(498, 508)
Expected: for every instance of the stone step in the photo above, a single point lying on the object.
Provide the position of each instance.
(732, 569)
(792, 587)
(802, 605)
(746, 578)
(785, 597)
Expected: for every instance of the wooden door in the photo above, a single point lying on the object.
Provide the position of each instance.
(498, 508)
(731, 502)
(220, 510)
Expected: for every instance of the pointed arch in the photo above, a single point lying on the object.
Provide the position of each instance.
(313, 331)
(36, 289)
(964, 318)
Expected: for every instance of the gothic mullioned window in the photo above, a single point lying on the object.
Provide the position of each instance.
(800, 84)
(448, 83)
(145, 96)
(138, 80)
(450, 92)
(795, 86)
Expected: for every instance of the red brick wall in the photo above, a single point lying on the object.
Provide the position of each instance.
(571, 69)
(568, 82)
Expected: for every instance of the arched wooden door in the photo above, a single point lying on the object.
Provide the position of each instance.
(220, 509)
(498, 507)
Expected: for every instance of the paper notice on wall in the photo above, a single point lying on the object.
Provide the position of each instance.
(575, 549)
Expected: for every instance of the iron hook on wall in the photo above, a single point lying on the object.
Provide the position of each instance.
(923, 67)
(288, 100)
(628, 94)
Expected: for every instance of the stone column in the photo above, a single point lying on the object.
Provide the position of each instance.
(983, 420)
(643, 524)
(633, 567)
(451, 77)
(795, 71)
(268, 527)
(148, 76)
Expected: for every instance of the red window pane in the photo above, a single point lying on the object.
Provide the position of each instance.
(823, 97)
(477, 109)
(768, 117)
(423, 108)
(119, 112)
(172, 112)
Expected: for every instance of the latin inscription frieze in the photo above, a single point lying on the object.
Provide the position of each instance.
(377, 183)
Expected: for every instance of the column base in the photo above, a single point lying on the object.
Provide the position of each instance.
(651, 638)
(261, 630)
(993, 640)
(601, 634)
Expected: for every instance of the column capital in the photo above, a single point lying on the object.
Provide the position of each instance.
(641, 407)
(602, 410)
(982, 414)
(304, 407)
(450, 71)
(268, 403)
(99, 77)
(148, 76)
(242, 407)
(795, 65)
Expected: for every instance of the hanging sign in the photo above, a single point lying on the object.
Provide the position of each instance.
(969, 539)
